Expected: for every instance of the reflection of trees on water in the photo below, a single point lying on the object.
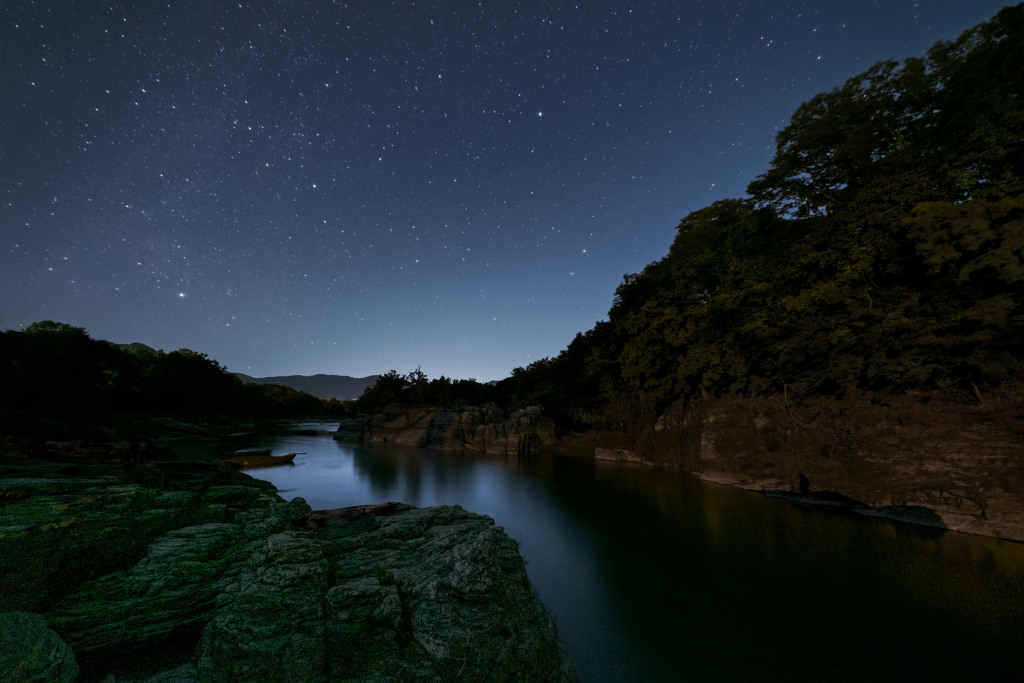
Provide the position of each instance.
(414, 475)
(651, 566)
(379, 467)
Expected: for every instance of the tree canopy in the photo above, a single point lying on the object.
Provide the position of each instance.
(883, 250)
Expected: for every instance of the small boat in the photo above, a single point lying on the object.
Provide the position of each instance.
(260, 459)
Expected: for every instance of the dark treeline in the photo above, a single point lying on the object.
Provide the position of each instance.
(57, 382)
(548, 388)
(415, 389)
(881, 252)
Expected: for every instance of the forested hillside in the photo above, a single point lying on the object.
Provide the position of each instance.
(57, 382)
(880, 252)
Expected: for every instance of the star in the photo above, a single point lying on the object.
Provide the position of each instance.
(249, 158)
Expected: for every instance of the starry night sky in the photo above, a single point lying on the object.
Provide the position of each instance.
(353, 187)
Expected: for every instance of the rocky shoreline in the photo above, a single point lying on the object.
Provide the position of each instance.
(913, 458)
(483, 429)
(182, 571)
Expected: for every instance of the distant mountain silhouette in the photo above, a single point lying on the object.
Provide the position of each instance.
(341, 387)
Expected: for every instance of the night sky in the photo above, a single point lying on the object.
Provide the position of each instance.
(354, 187)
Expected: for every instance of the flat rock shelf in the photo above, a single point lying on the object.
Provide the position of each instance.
(186, 571)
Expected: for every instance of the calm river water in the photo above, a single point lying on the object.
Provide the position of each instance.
(651, 575)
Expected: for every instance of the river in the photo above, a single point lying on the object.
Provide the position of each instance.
(652, 575)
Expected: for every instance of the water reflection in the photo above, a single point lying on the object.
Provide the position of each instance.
(651, 575)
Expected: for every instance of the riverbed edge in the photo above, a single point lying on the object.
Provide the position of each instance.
(919, 458)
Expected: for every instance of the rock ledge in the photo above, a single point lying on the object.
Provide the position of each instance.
(213, 577)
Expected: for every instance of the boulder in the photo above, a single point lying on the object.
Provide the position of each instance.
(435, 593)
(30, 651)
(270, 622)
(65, 522)
(51, 542)
(169, 591)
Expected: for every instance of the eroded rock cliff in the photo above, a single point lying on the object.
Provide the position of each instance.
(955, 465)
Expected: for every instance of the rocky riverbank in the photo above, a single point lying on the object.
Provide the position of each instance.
(915, 458)
(470, 428)
(182, 571)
